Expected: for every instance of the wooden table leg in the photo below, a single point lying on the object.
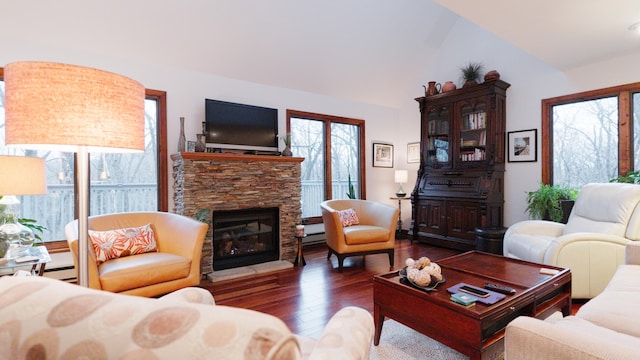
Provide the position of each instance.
(378, 320)
(300, 257)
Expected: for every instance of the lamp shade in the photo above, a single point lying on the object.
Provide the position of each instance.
(22, 175)
(401, 176)
(73, 109)
(50, 105)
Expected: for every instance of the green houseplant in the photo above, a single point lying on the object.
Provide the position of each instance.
(546, 202)
(471, 73)
(352, 191)
(203, 215)
(32, 224)
(632, 177)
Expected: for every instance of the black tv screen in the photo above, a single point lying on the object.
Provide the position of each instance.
(237, 126)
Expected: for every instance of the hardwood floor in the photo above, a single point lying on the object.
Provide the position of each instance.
(306, 297)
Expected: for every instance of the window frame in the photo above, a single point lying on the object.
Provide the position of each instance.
(328, 120)
(624, 93)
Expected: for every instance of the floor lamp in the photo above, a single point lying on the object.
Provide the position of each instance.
(51, 106)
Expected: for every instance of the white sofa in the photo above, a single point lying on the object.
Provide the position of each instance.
(606, 327)
(45, 318)
(604, 219)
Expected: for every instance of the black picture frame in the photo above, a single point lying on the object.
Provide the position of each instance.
(522, 146)
(382, 155)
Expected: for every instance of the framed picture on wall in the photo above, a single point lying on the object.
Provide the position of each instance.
(522, 146)
(413, 152)
(382, 155)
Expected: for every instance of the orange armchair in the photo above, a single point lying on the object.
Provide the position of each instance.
(374, 234)
(175, 265)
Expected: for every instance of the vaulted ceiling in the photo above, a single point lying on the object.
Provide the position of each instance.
(361, 50)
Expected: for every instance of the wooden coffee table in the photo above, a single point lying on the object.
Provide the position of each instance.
(479, 329)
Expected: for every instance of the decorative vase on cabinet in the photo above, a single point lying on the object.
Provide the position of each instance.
(460, 183)
(448, 86)
(201, 145)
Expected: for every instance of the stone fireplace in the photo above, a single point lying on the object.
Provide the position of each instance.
(225, 182)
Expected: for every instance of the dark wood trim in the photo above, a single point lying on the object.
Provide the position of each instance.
(625, 125)
(56, 246)
(546, 142)
(163, 153)
(625, 132)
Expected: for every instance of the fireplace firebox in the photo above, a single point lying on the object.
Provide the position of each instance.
(245, 237)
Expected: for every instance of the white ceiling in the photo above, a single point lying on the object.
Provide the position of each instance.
(562, 33)
(361, 50)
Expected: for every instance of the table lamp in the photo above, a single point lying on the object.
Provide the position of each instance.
(401, 177)
(21, 175)
(77, 109)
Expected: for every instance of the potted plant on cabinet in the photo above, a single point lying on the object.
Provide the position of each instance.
(471, 74)
(551, 202)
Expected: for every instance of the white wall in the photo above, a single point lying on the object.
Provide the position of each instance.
(187, 90)
(531, 81)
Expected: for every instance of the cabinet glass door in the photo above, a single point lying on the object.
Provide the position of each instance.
(473, 133)
(438, 147)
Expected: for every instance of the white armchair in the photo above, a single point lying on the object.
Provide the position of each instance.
(592, 244)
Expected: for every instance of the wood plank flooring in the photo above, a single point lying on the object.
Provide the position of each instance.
(306, 297)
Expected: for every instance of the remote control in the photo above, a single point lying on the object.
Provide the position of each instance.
(500, 289)
(474, 291)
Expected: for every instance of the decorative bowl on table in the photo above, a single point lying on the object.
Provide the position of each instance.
(422, 273)
(432, 285)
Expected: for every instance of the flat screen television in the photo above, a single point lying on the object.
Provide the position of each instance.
(242, 127)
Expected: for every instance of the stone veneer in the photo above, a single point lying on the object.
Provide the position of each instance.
(235, 181)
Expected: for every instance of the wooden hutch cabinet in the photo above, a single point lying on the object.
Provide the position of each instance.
(460, 179)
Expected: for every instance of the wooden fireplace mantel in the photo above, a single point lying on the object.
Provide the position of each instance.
(234, 157)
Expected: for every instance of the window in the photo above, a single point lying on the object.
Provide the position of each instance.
(333, 150)
(119, 182)
(586, 136)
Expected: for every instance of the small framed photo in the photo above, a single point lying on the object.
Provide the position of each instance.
(382, 155)
(522, 146)
(413, 152)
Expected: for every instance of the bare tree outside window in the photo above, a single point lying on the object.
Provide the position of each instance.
(331, 147)
(585, 142)
(591, 136)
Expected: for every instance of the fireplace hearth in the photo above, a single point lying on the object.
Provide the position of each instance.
(245, 237)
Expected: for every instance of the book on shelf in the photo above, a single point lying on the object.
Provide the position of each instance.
(474, 120)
